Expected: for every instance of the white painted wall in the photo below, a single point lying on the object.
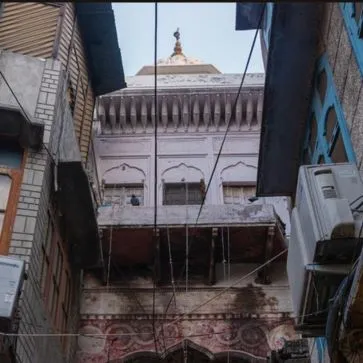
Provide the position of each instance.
(130, 159)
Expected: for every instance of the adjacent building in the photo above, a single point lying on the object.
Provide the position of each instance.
(312, 114)
(176, 293)
(55, 59)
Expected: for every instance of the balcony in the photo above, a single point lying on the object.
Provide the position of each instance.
(253, 233)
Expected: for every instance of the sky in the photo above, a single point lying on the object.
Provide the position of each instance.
(207, 32)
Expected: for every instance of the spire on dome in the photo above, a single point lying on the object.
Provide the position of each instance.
(178, 58)
(178, 48)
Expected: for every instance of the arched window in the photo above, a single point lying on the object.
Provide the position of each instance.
(330, 124)
(328, 138)
(357, 12)
(353, 19)
(337, 151)
(313, 133)
(321, 85)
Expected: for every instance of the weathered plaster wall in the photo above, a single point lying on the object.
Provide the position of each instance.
(130, 159)
(248, 318)
(188, 157)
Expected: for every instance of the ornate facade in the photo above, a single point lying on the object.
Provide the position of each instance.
(209, 301)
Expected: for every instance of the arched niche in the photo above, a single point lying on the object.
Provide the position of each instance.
(124, 174)
(239, 172)
(182, 172)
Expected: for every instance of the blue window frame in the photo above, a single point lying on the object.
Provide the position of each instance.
(267, 23)
(353, 19)
(327, 138)
(321, 346)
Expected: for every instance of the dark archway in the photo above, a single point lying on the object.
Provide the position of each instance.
(184, 351)
(190, 352)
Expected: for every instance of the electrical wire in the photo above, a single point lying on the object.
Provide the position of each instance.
(110, 238)
(233, 111)
(223, 291)
(186, 239)
(155, 165)
(115, 335)
(223, 253)
(128, 286)
(171, 267)
(229, 276)
(102, 335)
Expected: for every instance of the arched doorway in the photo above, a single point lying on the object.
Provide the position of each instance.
(180, 353)
(189, 352)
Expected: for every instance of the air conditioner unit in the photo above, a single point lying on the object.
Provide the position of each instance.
(312, 285)
(11, 280)
(323, 199)
(324, 240)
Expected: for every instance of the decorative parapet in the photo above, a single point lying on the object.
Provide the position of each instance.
(196, 108)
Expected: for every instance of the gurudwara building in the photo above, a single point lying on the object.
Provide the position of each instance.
(192, 289)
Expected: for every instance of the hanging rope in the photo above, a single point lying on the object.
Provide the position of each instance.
(110, 241)
(155, 163)
(171, 266)
(223, 255)
(186, 240)
(229, 256)
(233, 112)
(229, 278)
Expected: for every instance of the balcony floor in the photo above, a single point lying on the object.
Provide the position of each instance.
(180, 215)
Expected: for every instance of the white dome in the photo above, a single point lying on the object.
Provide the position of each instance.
(178, 60)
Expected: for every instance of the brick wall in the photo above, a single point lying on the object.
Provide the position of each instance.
(31, 222)
(347, 77)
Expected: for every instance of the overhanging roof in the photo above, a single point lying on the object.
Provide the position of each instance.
(98, 29)
(291, 59)
(79, 213)
(248, 15)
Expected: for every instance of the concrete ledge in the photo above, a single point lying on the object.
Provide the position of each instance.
(178, 215)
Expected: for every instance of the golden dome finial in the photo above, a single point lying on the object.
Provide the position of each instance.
(177, 49)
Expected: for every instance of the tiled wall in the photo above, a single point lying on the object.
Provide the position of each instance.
(30, 225)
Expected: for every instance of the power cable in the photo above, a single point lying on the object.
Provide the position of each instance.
(171, 266)
(115, 266)
(102, 335)
(233, 111)
(223, 253)
(106, 335)
(156, 259)
(223, 291)
(229, 277)
(335, 314)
